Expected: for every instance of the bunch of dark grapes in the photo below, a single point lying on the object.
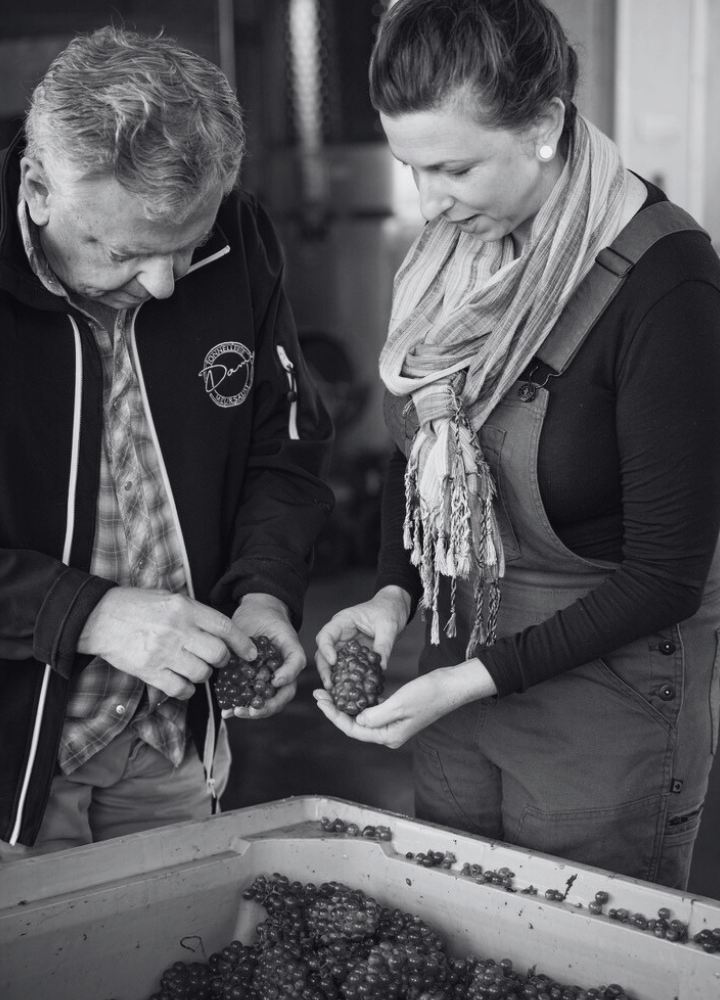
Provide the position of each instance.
(191, 980)
(497, 979)
(333, 942)
(248, 683)
(332, 962)
(410, 930)
(376, 976)
(281, 972)
(232, 971)
(339, 913)
(284, 902)
(357, 678)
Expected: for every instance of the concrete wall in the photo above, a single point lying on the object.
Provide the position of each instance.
(590, 26)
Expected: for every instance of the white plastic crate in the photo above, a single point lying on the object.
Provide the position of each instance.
(104, 922)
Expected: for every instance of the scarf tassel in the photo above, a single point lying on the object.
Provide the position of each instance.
(454, 533)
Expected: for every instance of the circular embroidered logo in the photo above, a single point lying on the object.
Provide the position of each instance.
(227, 373)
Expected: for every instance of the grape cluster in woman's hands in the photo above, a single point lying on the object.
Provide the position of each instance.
(357, 678)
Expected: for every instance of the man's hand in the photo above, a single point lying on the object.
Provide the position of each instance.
(262, 614)
(167, 640)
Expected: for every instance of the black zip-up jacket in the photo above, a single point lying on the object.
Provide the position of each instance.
(243, 442)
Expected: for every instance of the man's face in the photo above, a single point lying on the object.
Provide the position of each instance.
(99, 243)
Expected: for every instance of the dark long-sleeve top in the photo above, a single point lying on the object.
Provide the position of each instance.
(628, 467)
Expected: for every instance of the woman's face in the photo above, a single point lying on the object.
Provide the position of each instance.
(487, 181)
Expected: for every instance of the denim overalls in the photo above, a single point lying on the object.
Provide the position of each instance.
(607, 764)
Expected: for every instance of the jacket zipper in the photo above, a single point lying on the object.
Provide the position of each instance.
(209, 748)
(67, 549)
(293, 392)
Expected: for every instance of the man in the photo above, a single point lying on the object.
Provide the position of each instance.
(162, 446)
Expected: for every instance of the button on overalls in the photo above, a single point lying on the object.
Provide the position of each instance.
(606, 764)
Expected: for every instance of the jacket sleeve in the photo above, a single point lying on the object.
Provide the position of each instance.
(43, 608)
(45, 598)
(285, 500)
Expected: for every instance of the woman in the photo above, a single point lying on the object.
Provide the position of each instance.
(555, 499)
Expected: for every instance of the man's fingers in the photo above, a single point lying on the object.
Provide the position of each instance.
(271, 707)
(208, 648)
(210, 620)
(241, 643)
(293, 664)
(192, 667)
(175, 685)
(218, 624)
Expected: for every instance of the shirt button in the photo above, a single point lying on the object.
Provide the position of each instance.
(667, 692)
(120, 710)
(128, 484)
(667, 648)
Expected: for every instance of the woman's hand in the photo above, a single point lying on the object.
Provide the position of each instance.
(380, 619)
(413, 706)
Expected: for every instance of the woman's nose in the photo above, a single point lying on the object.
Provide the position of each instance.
(434, 199)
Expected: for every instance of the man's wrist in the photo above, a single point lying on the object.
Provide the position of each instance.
(266, 602)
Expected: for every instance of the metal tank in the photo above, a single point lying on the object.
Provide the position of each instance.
(335, 193)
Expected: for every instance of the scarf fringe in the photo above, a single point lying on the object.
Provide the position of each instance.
(453, 532)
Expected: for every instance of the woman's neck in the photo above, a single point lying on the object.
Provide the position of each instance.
(551, 175)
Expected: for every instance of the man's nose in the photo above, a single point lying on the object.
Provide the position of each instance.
(157, 276)
(434, 199)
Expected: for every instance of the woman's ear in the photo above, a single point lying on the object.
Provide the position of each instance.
(35, 189)
(548, 129)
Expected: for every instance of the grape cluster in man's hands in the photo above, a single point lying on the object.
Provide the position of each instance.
(248, 683)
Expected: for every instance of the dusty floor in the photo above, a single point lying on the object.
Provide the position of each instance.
(301, 753)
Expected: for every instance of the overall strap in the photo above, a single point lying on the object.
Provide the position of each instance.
(607, 275)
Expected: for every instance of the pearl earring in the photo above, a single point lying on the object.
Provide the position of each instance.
(546, 152)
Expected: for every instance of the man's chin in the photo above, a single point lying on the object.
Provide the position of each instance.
(120, 300)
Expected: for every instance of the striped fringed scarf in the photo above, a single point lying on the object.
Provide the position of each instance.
(456, 345)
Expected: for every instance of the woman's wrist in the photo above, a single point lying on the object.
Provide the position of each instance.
(470, 681)
(399, 601)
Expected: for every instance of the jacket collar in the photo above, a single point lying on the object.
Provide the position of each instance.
(16, 275)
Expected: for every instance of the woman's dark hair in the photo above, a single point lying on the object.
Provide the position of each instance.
(513, 54)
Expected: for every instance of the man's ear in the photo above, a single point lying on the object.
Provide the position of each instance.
(35, 189)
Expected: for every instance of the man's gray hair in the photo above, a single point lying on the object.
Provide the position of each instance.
(159, 118)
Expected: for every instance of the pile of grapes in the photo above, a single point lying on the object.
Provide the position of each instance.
(248, 683)
(333, 942)
(357, 678)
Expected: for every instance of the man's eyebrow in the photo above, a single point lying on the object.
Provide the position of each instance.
(126, 251)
